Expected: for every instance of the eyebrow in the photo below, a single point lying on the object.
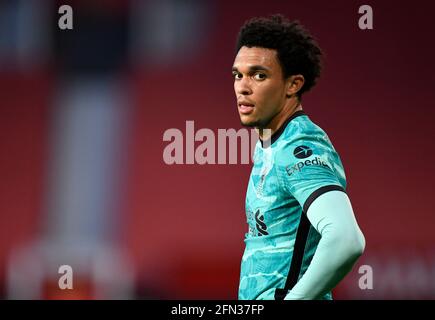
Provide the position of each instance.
(254, 68)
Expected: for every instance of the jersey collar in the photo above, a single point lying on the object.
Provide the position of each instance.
(278, 132)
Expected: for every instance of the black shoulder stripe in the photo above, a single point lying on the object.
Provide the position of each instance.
(318, 193)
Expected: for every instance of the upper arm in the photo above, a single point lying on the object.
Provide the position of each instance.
(332, 214)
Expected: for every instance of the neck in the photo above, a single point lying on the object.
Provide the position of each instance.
(278, 120)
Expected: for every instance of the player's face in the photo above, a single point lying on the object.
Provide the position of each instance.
(259, 86)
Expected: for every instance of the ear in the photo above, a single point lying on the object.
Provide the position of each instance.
(294, 84)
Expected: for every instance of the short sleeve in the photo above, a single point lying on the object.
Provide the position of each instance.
(309, 167)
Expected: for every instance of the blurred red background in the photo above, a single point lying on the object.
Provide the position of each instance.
(181, 227)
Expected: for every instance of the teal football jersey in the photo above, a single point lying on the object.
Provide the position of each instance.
(297, 165)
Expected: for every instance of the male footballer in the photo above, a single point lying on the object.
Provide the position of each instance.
(303, 237)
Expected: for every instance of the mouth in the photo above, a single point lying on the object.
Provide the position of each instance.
(245, 107)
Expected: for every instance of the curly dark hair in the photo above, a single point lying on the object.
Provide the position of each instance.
(297, 51)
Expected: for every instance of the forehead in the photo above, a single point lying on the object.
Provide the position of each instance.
(247, 57)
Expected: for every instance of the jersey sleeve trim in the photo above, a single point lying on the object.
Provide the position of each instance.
(313, 196)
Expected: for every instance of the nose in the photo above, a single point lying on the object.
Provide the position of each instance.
(243, 87)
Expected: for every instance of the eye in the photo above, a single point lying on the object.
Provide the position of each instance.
(260, 76)
(237, 76)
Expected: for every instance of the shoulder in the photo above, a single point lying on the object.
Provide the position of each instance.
(306, 162)
(302, 139)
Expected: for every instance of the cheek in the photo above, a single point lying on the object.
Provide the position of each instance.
(270, 95)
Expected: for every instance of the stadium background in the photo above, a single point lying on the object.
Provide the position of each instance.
(82, 116)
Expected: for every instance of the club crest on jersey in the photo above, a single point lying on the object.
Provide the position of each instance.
(261, 226)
